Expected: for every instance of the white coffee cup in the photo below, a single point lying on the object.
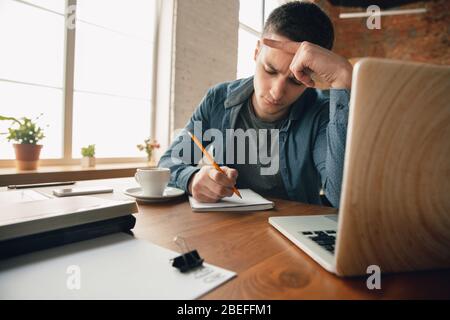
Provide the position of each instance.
(153, 181)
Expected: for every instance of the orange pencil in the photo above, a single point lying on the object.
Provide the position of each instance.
(211, 159)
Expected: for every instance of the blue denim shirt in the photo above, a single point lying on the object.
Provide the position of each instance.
(311, 143)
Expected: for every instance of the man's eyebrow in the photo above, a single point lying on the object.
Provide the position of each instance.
(291, 75)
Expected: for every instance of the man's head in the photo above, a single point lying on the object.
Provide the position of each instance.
(275, 86)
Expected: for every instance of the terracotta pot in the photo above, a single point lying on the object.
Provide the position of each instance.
(27, 156)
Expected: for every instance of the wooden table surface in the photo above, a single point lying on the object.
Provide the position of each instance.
(268, 265)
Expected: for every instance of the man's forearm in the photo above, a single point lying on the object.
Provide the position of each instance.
(180, 171)
(336, 139)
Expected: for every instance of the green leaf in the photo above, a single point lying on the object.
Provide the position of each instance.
(10, 118)
(26, 133)
(88, 151)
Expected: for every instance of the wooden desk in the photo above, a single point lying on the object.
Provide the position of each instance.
(268, 265)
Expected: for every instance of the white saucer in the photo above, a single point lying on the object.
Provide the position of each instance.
(169, 193)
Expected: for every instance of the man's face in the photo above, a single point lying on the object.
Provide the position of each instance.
(275, 86)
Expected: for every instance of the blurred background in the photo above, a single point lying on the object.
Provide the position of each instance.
(115, 72)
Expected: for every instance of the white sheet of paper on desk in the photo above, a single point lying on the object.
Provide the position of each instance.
(112, 267)
(18, 196)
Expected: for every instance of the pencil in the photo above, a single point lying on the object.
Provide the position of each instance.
(37, 185)
(211, 159)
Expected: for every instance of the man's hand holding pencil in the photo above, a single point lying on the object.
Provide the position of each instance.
(212, 183)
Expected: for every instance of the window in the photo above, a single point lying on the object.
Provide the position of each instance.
(93, 83)
(252, 14)
(31, 69)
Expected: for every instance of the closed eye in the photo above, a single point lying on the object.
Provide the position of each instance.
(270, 71)
(293, 80)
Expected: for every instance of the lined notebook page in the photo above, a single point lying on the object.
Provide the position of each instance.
(250, 201)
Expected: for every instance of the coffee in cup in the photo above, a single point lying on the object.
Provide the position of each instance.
(153, 181)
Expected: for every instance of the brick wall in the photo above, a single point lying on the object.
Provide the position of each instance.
(205, 51)
(416, 37)
(205, 47)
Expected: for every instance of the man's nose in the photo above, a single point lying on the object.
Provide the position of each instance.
(277, 90)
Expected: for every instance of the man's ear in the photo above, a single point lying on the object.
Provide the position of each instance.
(257, 50)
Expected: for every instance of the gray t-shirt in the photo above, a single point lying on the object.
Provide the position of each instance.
(250, 173)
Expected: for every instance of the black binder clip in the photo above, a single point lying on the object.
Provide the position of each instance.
(189, 260)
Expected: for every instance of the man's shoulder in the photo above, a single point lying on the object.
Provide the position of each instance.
(228, 88)
(218, 98)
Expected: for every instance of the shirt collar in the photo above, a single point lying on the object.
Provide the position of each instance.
(240, 94)
(245, 89)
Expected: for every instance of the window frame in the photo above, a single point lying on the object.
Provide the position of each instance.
(247, 28)
(250, 29)
(68, 93)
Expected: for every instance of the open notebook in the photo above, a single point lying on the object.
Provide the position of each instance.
(251, 201)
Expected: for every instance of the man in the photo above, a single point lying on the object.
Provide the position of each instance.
(310, 126)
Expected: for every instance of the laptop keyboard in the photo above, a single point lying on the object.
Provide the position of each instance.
(325, 239)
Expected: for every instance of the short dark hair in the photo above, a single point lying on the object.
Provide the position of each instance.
(301, 21)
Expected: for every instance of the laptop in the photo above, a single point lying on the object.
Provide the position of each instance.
(395, 200)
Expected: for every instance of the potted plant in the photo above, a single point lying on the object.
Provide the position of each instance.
(26, 134)
(88, 154)
(149, 146)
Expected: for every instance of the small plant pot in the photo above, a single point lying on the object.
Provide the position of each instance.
(88, 162)
(27, 156)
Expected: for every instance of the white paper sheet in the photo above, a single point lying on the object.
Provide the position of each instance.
(112, 267)
(18, 196)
